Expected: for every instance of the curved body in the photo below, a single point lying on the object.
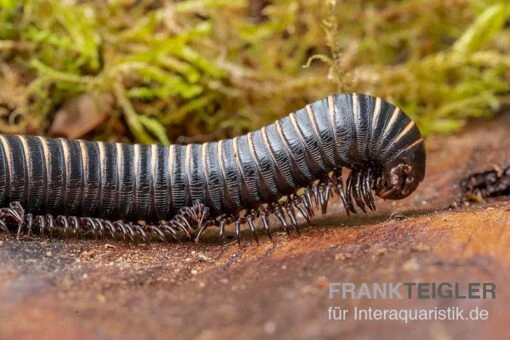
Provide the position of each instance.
(154, 182)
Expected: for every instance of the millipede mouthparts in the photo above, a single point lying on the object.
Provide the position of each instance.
(284, 169)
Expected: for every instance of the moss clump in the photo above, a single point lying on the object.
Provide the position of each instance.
(442, 66)
(214, 68)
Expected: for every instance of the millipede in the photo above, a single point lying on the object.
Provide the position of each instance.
(287, 169)
(479, 186)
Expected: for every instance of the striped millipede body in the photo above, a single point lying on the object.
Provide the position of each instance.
(283, 169)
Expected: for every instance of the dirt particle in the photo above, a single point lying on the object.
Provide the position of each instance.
(411, 265)
(194, 272)
(87, 255)
(380, 251)
(269, 327)
(67, 283)
(306, 289)
(101, 298)
(204, 258)
(343, 256)
(48, 254)
(322, 282)
(420, 247)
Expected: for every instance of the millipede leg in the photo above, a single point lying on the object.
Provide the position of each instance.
(281, 217)
(357, 191)
(156, 231)
(298, 203)
(100, 226)
(181, 221)
(377, 183)
(108, 224)
(16, 206)
(130, 231)
(3, 226)
(315, 193)
(18, 232)
(118, 228)
(307, 201)
(15, 212)
(139, 230)
(40, 221)
(50, 223)
(292, 215)
(172, 231)
(323, 200)
(251, 226)
(367, 193)
(63, 223)
(223, 222)
(325, 194)
(340, 190)
(348, 192)
(327, 191)
(88, 224)
(29, 222)
(265, 223)
(202, 229)
(74, 222)
(190, 218)
(238, 230)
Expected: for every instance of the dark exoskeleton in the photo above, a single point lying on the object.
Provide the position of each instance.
(283, 169)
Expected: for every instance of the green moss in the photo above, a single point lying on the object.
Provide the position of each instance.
(210, 69)
(441, 65)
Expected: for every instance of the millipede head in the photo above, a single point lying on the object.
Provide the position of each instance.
(402, 174)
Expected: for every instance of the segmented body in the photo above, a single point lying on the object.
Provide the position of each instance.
(185, 187)
(491, 183)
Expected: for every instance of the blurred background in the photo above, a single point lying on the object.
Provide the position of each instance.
(197, 70)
